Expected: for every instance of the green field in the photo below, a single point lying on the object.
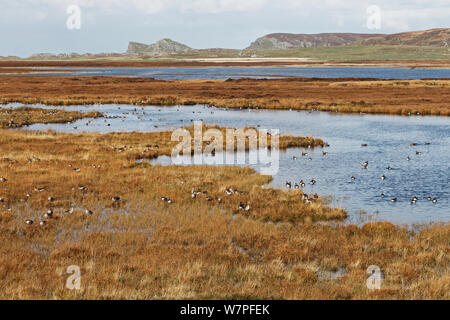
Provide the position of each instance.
(349, 53)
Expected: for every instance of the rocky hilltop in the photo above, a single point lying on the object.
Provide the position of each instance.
(434, 38)
(280, 41)
(162, 47)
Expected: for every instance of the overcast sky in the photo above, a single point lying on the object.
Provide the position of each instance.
(31, 26)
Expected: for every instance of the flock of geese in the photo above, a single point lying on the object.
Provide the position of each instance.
(364, 166)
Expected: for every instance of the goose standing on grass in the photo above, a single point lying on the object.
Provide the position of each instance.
(288, 185)
(29, 222)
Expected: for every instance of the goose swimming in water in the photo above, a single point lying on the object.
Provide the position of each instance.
(294, 158)
(434, 200)
(408, 158)
(394, 200)
(383, 177)
(302, 184)
(429, 198)
(382, 195)
(353, 178)
(312, 182)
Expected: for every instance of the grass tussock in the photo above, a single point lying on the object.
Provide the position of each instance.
(408, 97)
(23, 116)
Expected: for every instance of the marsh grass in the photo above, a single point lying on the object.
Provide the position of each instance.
(23, 116)
(144, 248)
(409, 97)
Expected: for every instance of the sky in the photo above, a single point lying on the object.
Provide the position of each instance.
(33, 26)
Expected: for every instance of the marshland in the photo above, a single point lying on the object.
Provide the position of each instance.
(139, 228)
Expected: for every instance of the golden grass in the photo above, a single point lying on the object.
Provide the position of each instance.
(409, 97)
(144, 248)
(22, 116)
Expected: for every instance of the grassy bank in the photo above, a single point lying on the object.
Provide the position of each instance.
(405, 97)
(23, 116)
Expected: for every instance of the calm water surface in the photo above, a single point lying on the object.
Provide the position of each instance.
(387, 137)
(222, 73)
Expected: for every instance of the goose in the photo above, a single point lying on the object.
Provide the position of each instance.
(1, 200)
(394, 200)
(364, 145)
(77, 169)
(296, 186)
(115, 199)
(164, 199)
(208, 198)
(88, 212)
(435, 200)
(288, 185)
(2, 179)
(219, 200)
(193, 196)
(429, 198)
(363, 167)
(366, 163)
(383, 177)
(304, 154)
(29, 222)
(408, 158)
(413, 201)
(28, 195)
(427, 143)
(43, 223)
(324, 153)
(302, 184)
(39, 189)
(294, 158)
(70, 211)
(388, 168)
(51, 199)
(312, 182)
(82, 188)
(418, 153)
(228, 192)
(309, 159)
(353, 178)
(382, 195)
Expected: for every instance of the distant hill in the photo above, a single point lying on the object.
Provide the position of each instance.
(433, 38)
(280, 41)
(162, 47)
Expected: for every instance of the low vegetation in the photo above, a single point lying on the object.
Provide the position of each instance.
(406, 97)
(130, 244)
(23, 116)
